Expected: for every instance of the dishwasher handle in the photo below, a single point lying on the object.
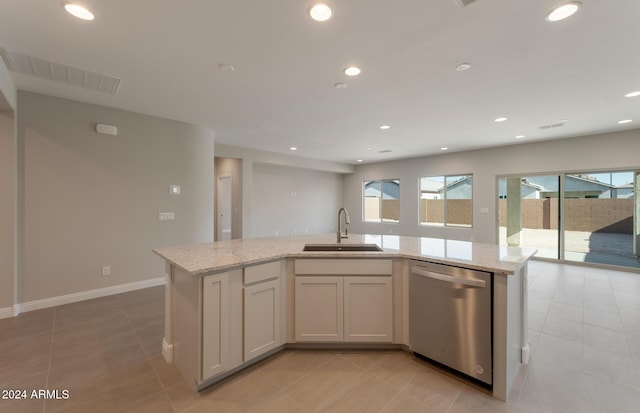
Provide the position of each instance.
(471, 282)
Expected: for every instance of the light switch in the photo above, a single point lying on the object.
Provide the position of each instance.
(484, 210)
(174, 189)
(167, 216)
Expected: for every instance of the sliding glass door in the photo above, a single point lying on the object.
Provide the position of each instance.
(529, 213)
(589, 217)
(599, 218)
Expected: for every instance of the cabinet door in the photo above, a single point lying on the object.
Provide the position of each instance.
(368, 309)
(262, 318)
(318, 303)
(215, 325)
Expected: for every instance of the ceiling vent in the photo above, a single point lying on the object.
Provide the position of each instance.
(463, 3)
(58, 72)
(555, 125)
(385, 151)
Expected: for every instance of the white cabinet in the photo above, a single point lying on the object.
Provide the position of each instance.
(343, 300)
(368, 309)
(242, 317)
(319, 309)
(263, 309)
(261, 318)
(215, 325)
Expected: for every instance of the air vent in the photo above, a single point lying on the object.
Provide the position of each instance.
(463, 3)
(555, 125)
(58, 72)
(385, 151)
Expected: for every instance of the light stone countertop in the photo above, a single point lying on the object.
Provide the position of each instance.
(199, 259)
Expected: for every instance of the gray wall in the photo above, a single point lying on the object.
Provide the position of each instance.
(7, 209)
(294, 201)
(8, 93)
(591, 153)
(89, 200)
(269, 178)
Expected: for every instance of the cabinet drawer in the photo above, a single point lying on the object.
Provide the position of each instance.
(343, 266)
(261, 272)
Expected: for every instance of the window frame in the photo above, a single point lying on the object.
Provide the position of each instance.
(380, 208)
(444, 224)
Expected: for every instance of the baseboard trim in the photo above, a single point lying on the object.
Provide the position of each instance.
(167, 350)
(86, 295)
(6, 312)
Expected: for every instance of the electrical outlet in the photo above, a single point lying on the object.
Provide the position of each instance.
(106, 270)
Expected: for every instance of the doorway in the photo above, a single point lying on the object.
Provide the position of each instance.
(223, 207)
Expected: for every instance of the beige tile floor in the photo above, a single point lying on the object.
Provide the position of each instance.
(584, 330)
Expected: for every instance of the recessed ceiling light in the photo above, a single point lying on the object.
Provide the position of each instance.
(226, 68)
(340, 85)
(625, 121)
(519, 136)
(320, 12)
(632, 94)
(78, 11)
(293, 148)
(500, 119)
(352, 71)
(368, 148)
(385, 127)
(359, 160)
(563, 11)
(444, 148)
(463, 67)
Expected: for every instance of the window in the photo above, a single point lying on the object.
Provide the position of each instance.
(446, 200)
(381, 201)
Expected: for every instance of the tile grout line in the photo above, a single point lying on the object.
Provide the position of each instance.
(269, 397)
(164, 390)
(384, 406)
(525, 380)
(626, 333)
(53, 329)
(305, 374)
(282, 391)
(346, 388)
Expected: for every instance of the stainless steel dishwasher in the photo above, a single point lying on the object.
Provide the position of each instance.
(450, 317)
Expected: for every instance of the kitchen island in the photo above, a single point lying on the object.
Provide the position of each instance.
(232, 303)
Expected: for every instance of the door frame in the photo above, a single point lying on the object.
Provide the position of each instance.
(219, 200)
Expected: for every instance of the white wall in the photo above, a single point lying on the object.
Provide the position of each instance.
(7, 210)
(89, 200)
(591, 153)
(294, 201)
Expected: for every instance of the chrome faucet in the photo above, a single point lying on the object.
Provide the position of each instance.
(346, 222)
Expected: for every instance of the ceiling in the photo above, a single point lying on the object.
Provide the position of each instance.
(167, 53)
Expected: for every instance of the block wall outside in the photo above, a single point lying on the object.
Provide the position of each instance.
(390, 209)
(459, 211)
(581, 214)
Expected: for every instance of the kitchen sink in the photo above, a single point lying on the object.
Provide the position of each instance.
(342, 247)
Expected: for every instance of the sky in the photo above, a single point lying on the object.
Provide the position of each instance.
(614, 178)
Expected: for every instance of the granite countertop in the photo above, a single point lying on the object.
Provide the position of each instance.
(199, 259)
